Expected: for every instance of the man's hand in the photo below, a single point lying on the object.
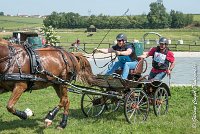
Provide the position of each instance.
(95, 49)
(118, 52)
(168, 72)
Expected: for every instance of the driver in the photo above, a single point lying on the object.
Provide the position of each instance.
(127, 58)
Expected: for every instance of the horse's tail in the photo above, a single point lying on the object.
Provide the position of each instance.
(85, 75)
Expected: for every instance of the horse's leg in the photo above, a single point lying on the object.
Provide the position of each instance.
(61, 91)
(64, 102)
(50, 116)
(16, 93)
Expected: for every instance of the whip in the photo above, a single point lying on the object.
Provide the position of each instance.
(94, 51)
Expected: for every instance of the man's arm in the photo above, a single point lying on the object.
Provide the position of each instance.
(171, 59)
(127, 52)
(105, 50)
(144, 55)
(170, 68)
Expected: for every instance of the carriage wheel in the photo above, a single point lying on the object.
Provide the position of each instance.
(92, 105)
(160, 102)
(136, 106)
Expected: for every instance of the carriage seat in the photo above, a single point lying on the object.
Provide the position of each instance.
(139, 69)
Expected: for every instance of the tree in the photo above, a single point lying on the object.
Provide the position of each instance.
(158, 17)
(52, 20)
(180, 20)
(1, 13)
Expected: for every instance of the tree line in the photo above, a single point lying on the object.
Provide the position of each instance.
(157, 18)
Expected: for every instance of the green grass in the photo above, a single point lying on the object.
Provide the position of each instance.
(68, 36)
(196, 17)
(16, 23)
(178, 120)
(189, 37)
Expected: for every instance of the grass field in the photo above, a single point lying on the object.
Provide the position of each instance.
(68, 36)
(16, 23)
(178, 120)
(196, 17)
(182, 110)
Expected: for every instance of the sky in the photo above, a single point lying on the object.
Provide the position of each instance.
(94, 7)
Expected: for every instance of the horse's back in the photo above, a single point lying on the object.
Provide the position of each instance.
(3, 42)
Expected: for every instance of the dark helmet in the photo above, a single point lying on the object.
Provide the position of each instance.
(121, 36)
(163, 40)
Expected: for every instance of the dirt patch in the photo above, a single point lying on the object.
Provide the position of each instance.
(5, 33)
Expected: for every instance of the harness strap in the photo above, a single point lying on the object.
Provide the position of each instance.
(34, 59)
(73, 74)
(13, 52)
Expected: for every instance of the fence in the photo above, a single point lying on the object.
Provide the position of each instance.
(89, 46)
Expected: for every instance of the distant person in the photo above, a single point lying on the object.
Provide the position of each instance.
(76, 44)
(43, 41)
(127, 58)
(163, 60)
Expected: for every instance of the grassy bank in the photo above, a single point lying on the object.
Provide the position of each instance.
(178, 120)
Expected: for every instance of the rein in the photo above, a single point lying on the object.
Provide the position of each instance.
(108, 63)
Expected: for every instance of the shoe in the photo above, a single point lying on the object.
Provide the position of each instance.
(116, 75)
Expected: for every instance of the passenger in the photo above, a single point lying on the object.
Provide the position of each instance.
(163, 60)
(127, 58)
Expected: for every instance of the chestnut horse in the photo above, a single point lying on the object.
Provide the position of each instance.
(15, 63)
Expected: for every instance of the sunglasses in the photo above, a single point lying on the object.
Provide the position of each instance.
(162, 43)
(119, 40)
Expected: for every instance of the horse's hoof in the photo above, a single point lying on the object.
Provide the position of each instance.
(47, 122)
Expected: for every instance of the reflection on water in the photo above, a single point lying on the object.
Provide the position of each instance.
(183, 73)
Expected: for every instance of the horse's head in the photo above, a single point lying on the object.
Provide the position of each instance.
(85, 74)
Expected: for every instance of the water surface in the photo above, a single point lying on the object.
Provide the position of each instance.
(182, 74)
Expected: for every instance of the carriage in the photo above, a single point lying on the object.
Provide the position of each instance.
(24, 69)
(135, 95)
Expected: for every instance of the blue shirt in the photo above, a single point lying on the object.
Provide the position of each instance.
(124, 58)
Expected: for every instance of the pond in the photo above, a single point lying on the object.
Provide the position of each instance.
(182, 74)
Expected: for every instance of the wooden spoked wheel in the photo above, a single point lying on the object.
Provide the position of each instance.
(136, 106)
(92, 105)
(160, 101)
